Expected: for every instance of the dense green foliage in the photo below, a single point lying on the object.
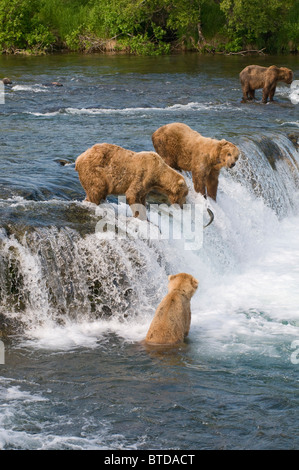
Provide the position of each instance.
(149, 26)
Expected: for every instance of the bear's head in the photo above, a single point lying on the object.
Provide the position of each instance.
(226, 155)
(184, 283)
(178, 192)
(286, 75)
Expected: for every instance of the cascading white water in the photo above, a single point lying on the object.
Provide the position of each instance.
(54, 279)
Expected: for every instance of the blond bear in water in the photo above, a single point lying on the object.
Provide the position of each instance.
(171, 322)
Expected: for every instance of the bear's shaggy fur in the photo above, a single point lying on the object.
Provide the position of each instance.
(171, 322)
(109, 169)
(256, 76)
(185, 149)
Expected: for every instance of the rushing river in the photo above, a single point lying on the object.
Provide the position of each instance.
(74, 308)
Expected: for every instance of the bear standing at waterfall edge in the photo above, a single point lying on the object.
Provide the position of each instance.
(106, 169)
(171, 322)
(256, 76)
(183, 148)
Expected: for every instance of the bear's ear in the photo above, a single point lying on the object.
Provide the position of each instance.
(181, 182)
(171, 277)
(194, 283)
(217, 150)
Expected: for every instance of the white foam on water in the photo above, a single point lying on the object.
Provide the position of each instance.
(294, 92)
(255, 308)
(19, 433)
(87, 334)
(31, 88)
(192, 107)
(175, 107)
(292, 123)
(13, 434)
(291, 92)
(50, 114)
(12, 398)
(247, 300)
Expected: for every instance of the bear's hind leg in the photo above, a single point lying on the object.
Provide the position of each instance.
(266, 92)
(251, 94)
(245, 90)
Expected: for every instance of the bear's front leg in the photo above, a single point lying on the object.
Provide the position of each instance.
(136, 201)
(199, 181)
(96, 194)
(212, 184)
(271, 93)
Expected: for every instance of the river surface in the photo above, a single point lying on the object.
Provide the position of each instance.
(75, 307)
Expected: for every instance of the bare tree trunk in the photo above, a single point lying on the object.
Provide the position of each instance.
(201, 38)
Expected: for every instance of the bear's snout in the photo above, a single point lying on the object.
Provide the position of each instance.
(181, 201)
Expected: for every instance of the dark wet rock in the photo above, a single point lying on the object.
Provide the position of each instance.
(62, 162)
(53, 84)
(294, 138)
(27, 216)
(271, 150)
(9, 327)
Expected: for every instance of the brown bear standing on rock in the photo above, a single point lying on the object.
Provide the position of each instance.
(109, 169)
(171, 322)
(255, 76)
(185, 149)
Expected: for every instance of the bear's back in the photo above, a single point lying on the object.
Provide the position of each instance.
(103, 155)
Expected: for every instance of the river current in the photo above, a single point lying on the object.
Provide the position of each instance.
(75, 307)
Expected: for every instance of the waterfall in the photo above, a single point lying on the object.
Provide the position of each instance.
(57, 272)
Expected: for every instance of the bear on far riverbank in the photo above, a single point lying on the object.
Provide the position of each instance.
(256, 76)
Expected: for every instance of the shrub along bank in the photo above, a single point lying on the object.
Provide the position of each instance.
(149, 26)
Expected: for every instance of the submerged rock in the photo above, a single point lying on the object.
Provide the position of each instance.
(52, 84)
(271, 150)
(294, 138)
(62, 162)
(8, 327)
(7, 81)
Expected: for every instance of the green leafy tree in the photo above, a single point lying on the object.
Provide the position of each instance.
(254, 21)
(155, 21)
(148, 26)
(20, 27)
